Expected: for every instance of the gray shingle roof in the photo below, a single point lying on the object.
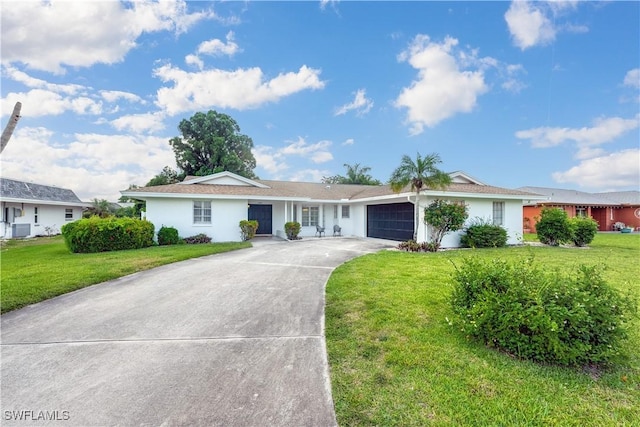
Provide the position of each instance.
(624, 197)
(570, 197)
(311, 190)
(12, 189)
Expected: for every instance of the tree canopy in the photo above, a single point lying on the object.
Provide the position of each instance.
(167, 176)
(356, 174)
(210, 143)
(422, 173)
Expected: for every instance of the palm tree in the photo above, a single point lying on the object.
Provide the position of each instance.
(356, 174)
(420, 174)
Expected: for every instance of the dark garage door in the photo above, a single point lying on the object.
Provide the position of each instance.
(393, 221)
(262, 214)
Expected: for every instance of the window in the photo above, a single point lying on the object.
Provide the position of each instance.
(346, 211)
(581, 212)
(498, 213)
(35, 215)
(310, 216)
(202, 212)
(335, 211)
(68, 214)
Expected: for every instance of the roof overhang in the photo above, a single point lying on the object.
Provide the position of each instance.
(46, 202)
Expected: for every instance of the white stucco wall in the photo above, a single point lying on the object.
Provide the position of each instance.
(178, 213)
(51, 218)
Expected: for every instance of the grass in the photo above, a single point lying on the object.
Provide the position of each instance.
(395, 361)
(33, 270)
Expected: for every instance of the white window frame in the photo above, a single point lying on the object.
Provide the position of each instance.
(498, 213)
(200, 210)
(346, 211)
(308, 219)
(68, 214)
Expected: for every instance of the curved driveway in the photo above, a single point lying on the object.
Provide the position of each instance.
(234, 339)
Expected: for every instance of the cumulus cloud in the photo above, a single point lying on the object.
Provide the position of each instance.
(51, 35)
(92, 165)
(140, 123)
(349, 141)
(442, 89)
(40, 102)
(536, 23)
(586, 138)
(217, 47)
(115, 95)
(616, 170)
(275, 160)
(361, 104)
(632, 78)
(240, 89)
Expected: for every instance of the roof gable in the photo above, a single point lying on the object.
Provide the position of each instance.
(19, 190)
(222, 178)
(460, 177)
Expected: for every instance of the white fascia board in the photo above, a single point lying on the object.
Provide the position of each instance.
(145, 196)
(221, 174)
(493, 196)
(46, 202)
(385, 197)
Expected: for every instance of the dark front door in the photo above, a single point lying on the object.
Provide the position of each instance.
(262, 214)
(393, 221)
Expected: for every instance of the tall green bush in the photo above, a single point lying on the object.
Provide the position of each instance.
(483, 234)
(553, 228)
(541, 315)
(583, 230)
(292, 229)
(97, 234)
(443, 217)
(248, 229)
(168, 236)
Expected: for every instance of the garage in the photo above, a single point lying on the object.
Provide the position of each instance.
(392, 221)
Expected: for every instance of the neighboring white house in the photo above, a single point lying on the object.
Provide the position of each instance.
(215, 204)
(30, 210)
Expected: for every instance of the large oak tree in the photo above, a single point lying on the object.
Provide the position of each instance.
(210, 143)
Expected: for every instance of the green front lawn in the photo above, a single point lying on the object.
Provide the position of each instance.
(33, 270)
(395, 360)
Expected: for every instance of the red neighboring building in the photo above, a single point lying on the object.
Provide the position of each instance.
(611, 210)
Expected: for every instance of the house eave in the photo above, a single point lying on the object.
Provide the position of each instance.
(46, 202)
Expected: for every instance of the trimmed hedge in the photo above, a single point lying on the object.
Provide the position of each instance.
(541, 315)
(292, 229)
(248, 229)
(97, 234)
(583, 230)
(197, 239)
(483, 234)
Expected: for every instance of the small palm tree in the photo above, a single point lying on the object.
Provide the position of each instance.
(421, 174)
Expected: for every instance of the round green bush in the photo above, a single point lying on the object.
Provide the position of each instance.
(583, 230)
(483, 234)
(292, 229)
(540, 315)
(168, 236)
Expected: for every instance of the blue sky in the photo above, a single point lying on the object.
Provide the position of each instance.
(513, 93)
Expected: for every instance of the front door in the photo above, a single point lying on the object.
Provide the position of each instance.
(262, 214)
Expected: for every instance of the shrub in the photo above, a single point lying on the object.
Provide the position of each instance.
(413, 246)
(553, 227)
(197, 239)
(540, 315)
(248, 229)
(583, 230)
(97, 234)
(483, 234)
(168, 236)
(292, 229)
(443, 217)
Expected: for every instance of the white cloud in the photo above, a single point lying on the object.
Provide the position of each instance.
(317, 152)
(92, 165)
(270, 160)
(442, 89)
(361, 104)
(240, 89)
(217, 47)
(50, 35)
(115, 95)
(309, 175)
(528, 24)
(39, 102)
(32, 82)
(604, 130)
(349, 141)
(538, 23)
(632, 78)
(140, 123)
(616, 170)
(194, 60)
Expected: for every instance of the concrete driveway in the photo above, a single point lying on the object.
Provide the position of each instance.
(234, 339)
